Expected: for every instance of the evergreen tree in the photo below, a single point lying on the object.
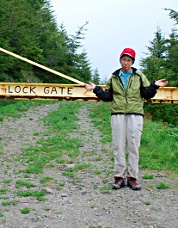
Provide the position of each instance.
(173, 14)
(96, 77)
(162, 62)
(172, 49)
(29, 28)
(172, 58)
(154, 64)
(6, 62)
(104, 80)
(162, 58)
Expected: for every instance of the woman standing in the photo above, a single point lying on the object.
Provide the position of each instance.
(126, 90)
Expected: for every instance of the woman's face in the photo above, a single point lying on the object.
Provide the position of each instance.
(126, 63)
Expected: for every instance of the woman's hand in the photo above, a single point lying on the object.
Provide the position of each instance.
(90, 87)
(161, 83)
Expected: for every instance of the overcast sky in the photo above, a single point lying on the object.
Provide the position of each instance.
(114, 25)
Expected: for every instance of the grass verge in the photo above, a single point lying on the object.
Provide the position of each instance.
(55, 146)
(16, 108)
(159, 147)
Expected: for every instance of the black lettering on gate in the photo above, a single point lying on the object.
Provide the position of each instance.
(23, 90)
(62, 90)
(31, 90)
(69, 91)
(8, 89)
(17, 89)
(53, 90)
(46, 90)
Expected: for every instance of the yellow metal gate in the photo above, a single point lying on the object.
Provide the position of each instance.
(66, 91)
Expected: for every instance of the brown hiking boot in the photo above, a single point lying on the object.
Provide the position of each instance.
(133, 184)
(119, 183)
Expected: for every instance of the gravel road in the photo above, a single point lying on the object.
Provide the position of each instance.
(80, 205)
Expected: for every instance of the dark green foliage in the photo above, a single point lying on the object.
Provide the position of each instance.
(159, 148)
(29, 29)
(163, 112)
(173, 14)
(162, 56)
(96, 77)
(162, 62)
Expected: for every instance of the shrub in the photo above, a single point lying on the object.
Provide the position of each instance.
(163, 112)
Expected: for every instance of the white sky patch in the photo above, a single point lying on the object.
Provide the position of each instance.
(114, 25)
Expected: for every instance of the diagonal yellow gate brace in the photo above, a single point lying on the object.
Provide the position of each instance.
(41, 66)
(66, 91)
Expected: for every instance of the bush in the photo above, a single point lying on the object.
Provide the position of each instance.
(163, 112)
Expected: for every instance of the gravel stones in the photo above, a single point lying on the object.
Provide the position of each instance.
(79, 205)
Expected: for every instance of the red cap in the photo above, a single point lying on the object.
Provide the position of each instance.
(128, 51)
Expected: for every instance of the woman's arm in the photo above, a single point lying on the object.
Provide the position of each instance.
(149, 92)
(100, 93)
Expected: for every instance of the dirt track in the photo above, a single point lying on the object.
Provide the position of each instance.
(81, 205)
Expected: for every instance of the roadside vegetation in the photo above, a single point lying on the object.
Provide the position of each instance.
(158, 151)
(42, 40)
(59, 146)
(15, 109)
(159, 148)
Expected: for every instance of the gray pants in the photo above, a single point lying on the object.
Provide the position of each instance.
(126, 130)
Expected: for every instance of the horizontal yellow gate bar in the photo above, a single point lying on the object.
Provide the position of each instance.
(70, 92)
(66, 91)
(166, 95)
(45, 91)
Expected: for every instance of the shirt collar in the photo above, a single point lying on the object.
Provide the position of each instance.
(121, 73)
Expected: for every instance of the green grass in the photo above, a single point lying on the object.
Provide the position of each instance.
(59, 212)
(46, 179)
(16, 108)
(158, 151)
(147, 203)
(105, 189)
(69, 174)
(97, 172)
(59, 145)
(100, 116)
(3, 191)
(162, 185)
(1, 148)
(21, 183)
(148, 176)
(61, 184)
(38, 194)
(8, 203)
(56, 146)
(25, 210)
(159, 147)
